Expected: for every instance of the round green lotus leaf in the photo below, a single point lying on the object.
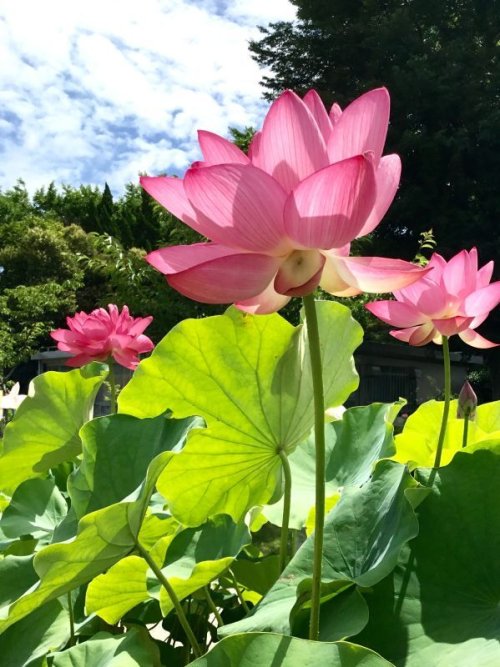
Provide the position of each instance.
(258, 649)
(441, 605)
(249, 378)
(417, 443)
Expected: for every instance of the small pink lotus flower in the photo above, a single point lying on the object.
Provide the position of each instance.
(454, 298)
(104, 334)
(281, 219)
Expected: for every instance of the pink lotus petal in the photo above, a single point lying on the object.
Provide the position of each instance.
(396, 314)
(211, 273)
(335, 113)
(243, 204)
(300, 273)
(83, 359)
(315, 105)
(169, 192)
(362, 127)
(327, 209)
(404, 334)
(253, 149)
(476, 340)
(457, 274)
(331, 282)
(217, 150)
(268, 301)
(387, 178)
(291, 146)
(175, 259)
(422, 335)
(477, 321)
(418, 336)
(138, 326)
(140, 344)
(425, 294)
(484, 275)
(482, 300)
(377, 274)
(126, 358)
(452, 325)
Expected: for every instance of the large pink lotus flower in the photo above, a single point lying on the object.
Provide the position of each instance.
(281, 219)
(103, 334)
(455, 297)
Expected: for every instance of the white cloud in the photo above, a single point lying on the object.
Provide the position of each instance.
(100, 90)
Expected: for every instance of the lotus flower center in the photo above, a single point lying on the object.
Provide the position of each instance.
(299, 273)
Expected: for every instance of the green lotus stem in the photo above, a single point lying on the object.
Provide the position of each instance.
(174, 599)
(112, 386)
(447, 395)
(287, 500)
(319, 435)
(238, 592)
(71, 641)
(466, 430)
(212, 606)
(295, 541)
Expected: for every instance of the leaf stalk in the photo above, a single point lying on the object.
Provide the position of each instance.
(287, 500)
(173, 597)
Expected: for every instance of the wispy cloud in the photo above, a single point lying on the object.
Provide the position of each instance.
(99, 91)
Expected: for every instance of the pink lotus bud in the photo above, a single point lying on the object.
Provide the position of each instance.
(467, 402)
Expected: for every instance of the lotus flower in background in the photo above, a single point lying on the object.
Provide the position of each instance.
(455, 297)
(103, 334)
(281, 219)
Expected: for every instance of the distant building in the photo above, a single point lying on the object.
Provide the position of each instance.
(388, 372)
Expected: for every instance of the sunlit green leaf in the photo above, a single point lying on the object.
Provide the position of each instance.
(249, 378)
(189, 560)
(17, 575)
(418, 441)
(364, 534)
(31, 638)
(353, 445)
(36, 508)
(440, 606)
(103, 538)
(116, 453)
(44, 431)
(133, 649)
(266, 649)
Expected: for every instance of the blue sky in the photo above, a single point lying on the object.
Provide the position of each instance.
(101, 90)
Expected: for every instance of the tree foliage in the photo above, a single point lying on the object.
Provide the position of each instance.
(440, 63)
(72, 249)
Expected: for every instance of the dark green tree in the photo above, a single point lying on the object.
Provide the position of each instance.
(440, 62)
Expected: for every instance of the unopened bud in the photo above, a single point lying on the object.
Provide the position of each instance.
(467, 402)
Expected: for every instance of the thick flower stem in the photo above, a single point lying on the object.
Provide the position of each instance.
(287, 499)
(319, 433)
(112, 386)
(174, 599)
(447, 395)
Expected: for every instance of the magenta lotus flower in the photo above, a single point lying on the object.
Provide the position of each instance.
(455, 297)
(103, 334)
(281, 219)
